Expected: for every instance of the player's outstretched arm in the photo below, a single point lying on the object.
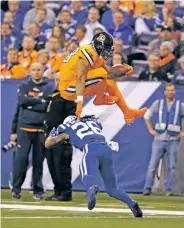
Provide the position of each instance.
(82, 71)
(55, 140)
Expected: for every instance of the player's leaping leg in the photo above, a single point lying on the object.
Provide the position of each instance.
(129, 114)
(95, 85)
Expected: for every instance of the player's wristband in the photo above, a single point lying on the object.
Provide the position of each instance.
(80, 98)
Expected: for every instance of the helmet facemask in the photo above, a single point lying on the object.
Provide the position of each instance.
(107, 52)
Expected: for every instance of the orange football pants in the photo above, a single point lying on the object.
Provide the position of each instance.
(96, 84)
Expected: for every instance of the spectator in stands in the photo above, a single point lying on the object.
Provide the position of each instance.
(117, 59)
(13, 69)
(78, 11)
(167, 134)
(28, 55)
(43, 58)
(67, 24)
(58, 32)
(93, 23)
(97, 30)
(146, 22)
(107, 18)
(174, 26)
(118, 46)
(101, 6)
(153, 72)
(7, 40)
(168, 60)
(118, 50)
(55, 5)
(18, 13)
(72, 46)
(179, 74)
(55, 58)
(40, 39)
(170, 7)
(128, 6)
(120, 30)
(8, 18)
(40, 19)
(31, 14)
(164, 35)
(80, 34)
(32, 96)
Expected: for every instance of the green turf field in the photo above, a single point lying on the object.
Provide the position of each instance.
(159, 212)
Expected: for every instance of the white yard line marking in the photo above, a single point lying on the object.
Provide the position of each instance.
(92, 217)
(115, 205)
(82, 209)
(22, 202)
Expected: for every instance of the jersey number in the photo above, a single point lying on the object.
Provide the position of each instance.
(88, 128)
(70, 56)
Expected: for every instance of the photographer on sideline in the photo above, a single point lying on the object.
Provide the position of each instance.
(13, 144)
(32, 96)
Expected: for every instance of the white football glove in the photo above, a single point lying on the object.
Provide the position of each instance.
(113, 145)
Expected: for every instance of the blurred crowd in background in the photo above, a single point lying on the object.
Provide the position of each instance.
(149, 35)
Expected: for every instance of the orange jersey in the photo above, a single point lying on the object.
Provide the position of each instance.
(56, 62)
(68, 69)
(28, 60)
(17, 71)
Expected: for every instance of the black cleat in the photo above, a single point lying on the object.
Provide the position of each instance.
(91, 195)
(59, 198)
(136, 210)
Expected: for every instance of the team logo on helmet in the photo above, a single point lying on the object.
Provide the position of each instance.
(101, 37)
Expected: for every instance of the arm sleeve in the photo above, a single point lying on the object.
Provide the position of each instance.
(152, 110)
(15, 120)
(61, 129)
(25, 100)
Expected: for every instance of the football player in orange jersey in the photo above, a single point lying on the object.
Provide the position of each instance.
(84, 73)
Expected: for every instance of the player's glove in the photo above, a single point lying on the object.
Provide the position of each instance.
(79, 107)
(53, 132)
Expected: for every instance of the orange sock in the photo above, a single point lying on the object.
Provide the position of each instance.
(113, 90)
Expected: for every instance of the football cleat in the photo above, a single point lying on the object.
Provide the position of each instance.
(38, 196)
(91, 195)
(131, 115)
(136, 210)
(16, 195)
(106, 100)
